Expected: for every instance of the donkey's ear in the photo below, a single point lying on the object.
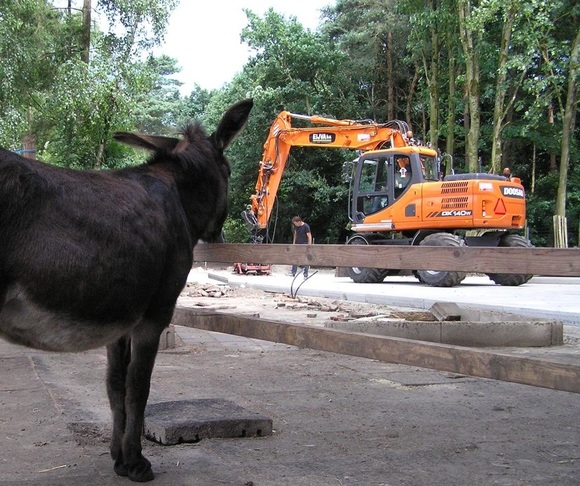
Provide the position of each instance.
(147, 142)
(232, 122)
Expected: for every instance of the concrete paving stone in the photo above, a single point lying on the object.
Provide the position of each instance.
(180, 421)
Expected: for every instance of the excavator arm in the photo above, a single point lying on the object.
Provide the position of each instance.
(357, 135)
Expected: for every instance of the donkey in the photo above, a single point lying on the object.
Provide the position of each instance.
(91, 259)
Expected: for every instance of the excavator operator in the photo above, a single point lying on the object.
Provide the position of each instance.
(402, 174)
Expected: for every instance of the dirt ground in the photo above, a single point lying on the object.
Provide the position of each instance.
(338, 420)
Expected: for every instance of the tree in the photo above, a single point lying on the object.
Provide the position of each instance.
(159, 108)
(373, 36)
(30, 53)
(296, 70)
(568, 126)
(570, 113)
(546, 111)
(509, 16)
(430, 50)
(103, 84)
(470, 37)
(522, 24)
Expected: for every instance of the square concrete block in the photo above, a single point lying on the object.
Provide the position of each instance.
(192, 420)
(446, 311)
(167, 338)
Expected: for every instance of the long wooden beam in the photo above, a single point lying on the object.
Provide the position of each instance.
(442, 357)
(555, 262)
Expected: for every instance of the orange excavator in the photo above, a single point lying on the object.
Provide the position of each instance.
(402, 193)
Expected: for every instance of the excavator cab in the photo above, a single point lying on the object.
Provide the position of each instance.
(383, 176)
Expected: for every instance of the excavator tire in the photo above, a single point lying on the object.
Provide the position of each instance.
(440, 278)
(365, 275)
(508, 279)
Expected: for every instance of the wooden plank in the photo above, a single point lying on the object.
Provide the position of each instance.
(454, 359)
(556, 262)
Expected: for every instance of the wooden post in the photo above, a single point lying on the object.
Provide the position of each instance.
(560, 231)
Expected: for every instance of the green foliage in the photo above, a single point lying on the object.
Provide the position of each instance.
(540, 207)
(79, 114)
(235, 231)
(342, 71)
(30, 55)
(296, 67)
(138, 25)
(322, 205)
(72, 107)
(159, 108)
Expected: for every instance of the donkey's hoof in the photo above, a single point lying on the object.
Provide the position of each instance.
(120, 469)
(141, 472)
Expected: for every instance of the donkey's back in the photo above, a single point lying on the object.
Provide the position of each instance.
(82, 253)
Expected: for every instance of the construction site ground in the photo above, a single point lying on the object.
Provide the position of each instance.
(337, 420)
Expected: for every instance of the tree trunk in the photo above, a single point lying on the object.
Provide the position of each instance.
(434, 92)
(501, 89)
(450, 141)
(553, 163)
(533, 182)
(86, 32)
(390, 80)
(99, 157)
(568, 126)
(411, 95)
(467, 35)
(507, 149)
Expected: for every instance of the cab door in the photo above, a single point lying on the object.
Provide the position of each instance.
(373, 187)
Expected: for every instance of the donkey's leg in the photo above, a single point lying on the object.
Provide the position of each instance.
(118, 356)
(144, 346)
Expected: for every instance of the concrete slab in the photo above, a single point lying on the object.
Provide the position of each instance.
(175, 422)
(462, 333)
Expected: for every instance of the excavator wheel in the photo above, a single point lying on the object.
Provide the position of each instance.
(417, 276)
(365, 275)
(507, 278)
(440, 278)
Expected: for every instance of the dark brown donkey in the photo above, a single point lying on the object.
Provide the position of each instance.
(90, 259)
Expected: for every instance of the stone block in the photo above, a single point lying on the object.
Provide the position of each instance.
(193, 420)
(446, 311)
(167, 338)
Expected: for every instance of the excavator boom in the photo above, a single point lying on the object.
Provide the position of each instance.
(361, 135)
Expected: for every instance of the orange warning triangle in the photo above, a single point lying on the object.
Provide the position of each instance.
(500, 207)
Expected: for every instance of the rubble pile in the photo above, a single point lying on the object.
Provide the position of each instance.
(206, 290)
(284, 306)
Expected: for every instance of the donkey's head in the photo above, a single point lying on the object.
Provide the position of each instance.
(199, 166)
